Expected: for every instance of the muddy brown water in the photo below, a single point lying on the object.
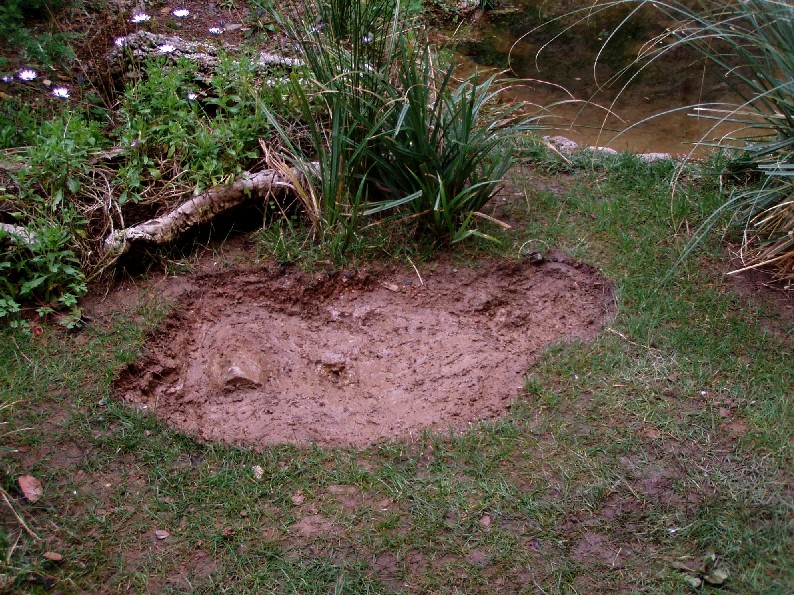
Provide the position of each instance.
(270, 356)
(566, 77)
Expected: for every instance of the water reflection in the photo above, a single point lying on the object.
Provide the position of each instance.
(571, 76)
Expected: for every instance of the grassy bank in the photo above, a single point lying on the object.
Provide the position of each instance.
(623, 462)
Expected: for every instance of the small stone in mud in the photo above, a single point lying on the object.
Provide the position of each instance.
(243, 372)
(535, 258)
(161, 534)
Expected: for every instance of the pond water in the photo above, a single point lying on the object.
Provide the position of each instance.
(567, 77)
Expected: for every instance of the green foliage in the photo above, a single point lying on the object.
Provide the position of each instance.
(39, 271)
(19, 122)
(44, 48)
(58, 163)
(179, 130)
(175, 133)
(438, 147)
(389, 132)
(15, 12)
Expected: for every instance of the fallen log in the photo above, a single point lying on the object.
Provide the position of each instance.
(137, 47)
(203, 208)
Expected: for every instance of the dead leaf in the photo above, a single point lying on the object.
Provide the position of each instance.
(227, 532)
(717, 576)
(391, 286)
(709, 562)
(693, 581)
(53, 556)
(485, 521)
(298, 498)
(259, 473)
(31, 487)
(687, 566)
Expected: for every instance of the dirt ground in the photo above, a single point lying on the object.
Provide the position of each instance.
(273, 356)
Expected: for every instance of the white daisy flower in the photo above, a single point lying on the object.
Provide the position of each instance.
(166, 48)
(215, 30)
(192, 96)
(180, 13)
(120, 42)
(140, 17)
(61, 92)
(27, 74)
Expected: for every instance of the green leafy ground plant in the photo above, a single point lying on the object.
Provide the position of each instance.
(38, 272)
(45, 48)
(173, 134)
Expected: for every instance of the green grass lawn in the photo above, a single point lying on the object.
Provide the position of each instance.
(665, 444)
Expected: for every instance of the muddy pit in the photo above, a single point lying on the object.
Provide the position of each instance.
(273, 356)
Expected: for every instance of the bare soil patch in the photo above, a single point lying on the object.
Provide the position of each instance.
(273, 356)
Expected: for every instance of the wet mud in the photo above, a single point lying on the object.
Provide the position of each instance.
(274, 356)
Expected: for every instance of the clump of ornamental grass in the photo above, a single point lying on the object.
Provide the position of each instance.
(391, 131)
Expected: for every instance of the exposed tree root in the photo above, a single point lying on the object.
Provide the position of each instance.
(202, 209)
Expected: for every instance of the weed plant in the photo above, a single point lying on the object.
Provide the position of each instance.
(40, 270)
(45, 48)
(58, 163)
(19, 123)
(182, 136)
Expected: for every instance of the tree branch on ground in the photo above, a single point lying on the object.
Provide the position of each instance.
(202, 209)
